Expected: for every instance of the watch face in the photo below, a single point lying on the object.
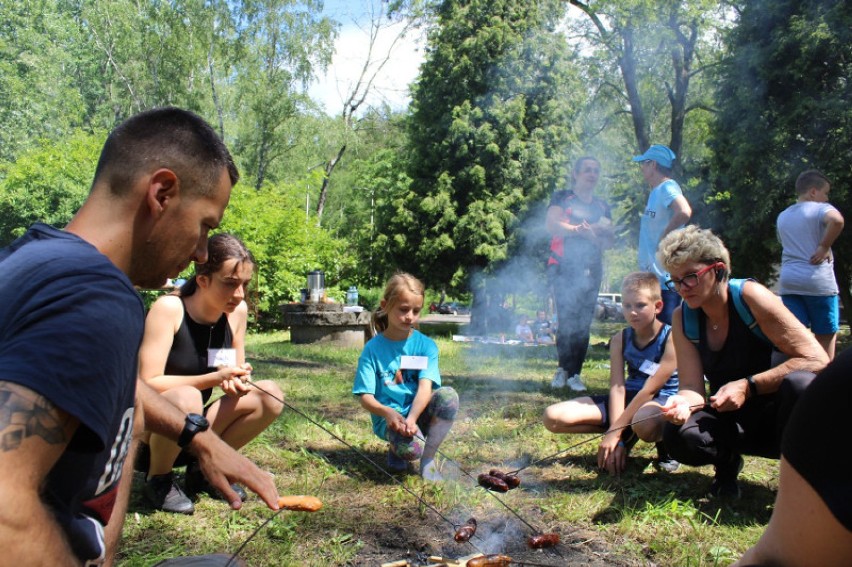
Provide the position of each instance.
(198, 420)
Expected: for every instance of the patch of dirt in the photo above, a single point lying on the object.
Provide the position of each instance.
(419, 540)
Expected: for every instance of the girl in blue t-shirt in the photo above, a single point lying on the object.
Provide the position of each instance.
(398, 381)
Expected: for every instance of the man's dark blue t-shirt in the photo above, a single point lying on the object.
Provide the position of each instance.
(70, 328)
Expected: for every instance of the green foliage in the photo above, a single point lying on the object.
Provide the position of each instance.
(382, 176)
(144, 54)
(652, 83)
(40, 64)
(47, 184)
(281, 43)
(286, 244)
(786, 90)
(487, 137)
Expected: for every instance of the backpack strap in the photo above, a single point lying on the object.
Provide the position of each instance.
(735, 288)
(690, 322)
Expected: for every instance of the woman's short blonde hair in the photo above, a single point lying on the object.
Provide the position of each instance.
(692, 244)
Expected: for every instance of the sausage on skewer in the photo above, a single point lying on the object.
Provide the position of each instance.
(466, 531)
(490, 561)
(542, 541)
(300, 503)
(492, 483)
(511, 480)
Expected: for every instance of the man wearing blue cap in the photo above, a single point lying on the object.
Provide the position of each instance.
(667, 210)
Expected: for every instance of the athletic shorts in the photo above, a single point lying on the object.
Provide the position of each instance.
(602, 401)
(820, 313)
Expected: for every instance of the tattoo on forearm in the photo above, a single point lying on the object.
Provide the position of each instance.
(24, 413)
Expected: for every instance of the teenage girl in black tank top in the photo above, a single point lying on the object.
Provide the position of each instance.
(188, 355)
(194, 343)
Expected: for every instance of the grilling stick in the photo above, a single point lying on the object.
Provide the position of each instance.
(592, 438)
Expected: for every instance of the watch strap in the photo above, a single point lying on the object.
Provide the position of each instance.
(752, 386)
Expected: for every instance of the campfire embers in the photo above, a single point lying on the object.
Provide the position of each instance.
(466, 531)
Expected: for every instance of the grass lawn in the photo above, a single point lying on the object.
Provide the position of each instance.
(369, 518)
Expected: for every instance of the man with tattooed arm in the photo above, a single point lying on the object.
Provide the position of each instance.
(70, 327)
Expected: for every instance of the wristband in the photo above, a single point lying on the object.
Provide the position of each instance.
(621, 444)
(752, 387)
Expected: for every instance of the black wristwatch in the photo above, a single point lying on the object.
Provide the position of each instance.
(752, 387)
(195, 423)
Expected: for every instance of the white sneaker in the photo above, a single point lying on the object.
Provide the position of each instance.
(575, 383)
(560, 379)
(429, 471)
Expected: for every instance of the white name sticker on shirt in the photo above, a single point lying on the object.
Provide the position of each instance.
(414, 362)
(217, 357)
(649, 368)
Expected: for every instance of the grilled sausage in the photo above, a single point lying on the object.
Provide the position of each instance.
(543, 540)
(465, 532)
(511, 480)
(300, 503)
(490, 561)
(492, 483)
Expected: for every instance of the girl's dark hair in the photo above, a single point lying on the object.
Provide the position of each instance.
(398, 282)
(220, 248)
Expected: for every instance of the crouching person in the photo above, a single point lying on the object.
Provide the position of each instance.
(727, 330)
(646, 348)
(398, 381)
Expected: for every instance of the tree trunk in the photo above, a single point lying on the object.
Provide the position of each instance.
(682, 56)
(215, 93)
(329, 168)
(261, 165)
(627, 63)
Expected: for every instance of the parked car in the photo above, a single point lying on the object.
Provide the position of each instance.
(453, 308)
(608, 308)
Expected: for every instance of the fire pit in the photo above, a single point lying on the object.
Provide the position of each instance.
(312, 322)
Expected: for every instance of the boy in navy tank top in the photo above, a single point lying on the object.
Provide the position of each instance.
(645, 353)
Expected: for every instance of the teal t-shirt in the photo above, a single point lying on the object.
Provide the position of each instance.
(377, 367)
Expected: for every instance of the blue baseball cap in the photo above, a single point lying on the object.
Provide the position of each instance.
(660, 154)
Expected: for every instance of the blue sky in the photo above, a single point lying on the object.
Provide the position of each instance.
(391, 85)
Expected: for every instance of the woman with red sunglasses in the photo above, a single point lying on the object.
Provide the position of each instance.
(738, 348)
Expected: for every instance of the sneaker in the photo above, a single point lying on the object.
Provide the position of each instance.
(575, 383)
(724, 485)
(664, 461)
(429, 471)
(164, 494)
(560, 379)
(195, 483)
(396, 464)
